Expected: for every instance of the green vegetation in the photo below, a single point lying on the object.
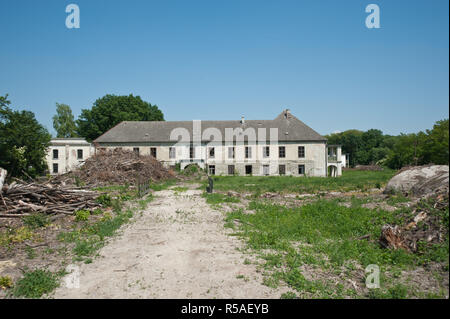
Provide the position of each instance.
(36, 220)
(110, 110)
(36, 283)
(24, 142)
(82, 215)
(17, 235)
(163, 185)
(217, 198)
(64, 122)
(5, 282)
(180, 189)
(372, 147)
(350, 180)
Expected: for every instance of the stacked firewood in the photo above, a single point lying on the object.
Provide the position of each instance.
(21, 199)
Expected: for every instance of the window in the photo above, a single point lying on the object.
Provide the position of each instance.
(231, 152)
(171, 152)
(301, 169)
(152, 151)
(282, 169)
(191, 152)
(266, 151)
(301, 151)
(212, 169)
(282, 152)
(230, 169)
(248, 169)
(248, 152)
(266, 170)
(212, 152)
(55, 154)
(55, 168)
(80, 154)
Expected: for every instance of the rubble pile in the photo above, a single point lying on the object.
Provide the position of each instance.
(116, 166)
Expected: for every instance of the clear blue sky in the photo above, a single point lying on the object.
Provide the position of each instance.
(223, 59)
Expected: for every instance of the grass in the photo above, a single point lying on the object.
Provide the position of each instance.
(325, 234)
(36, 283)
(163, 185)
(218, 198)
(350, 180)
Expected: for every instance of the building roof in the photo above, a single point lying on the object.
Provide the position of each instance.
(289, 127)
(68, 141)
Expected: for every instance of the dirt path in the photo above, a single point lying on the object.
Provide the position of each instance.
(178, 248)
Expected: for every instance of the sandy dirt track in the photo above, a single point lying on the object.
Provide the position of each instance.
(178, 248)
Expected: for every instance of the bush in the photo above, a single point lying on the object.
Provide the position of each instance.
(104, 200)
(82, 215)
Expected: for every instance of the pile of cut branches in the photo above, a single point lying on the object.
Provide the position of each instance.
(21, 199)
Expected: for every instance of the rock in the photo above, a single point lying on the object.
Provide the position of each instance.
(420, 181)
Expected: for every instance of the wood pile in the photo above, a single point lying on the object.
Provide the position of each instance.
(116, 166)
(21, 199)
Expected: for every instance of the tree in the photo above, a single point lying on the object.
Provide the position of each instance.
(63, 121)
(438, 143)
(110, 110)
(23, 141)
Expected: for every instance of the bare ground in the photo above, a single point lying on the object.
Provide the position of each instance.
(177, 248)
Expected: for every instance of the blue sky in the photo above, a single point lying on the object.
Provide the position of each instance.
(223, 59)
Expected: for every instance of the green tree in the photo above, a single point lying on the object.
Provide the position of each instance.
(23, 141)
(110, 110)
(64, 122)
(438, 143)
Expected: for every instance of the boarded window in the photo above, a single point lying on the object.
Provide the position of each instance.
(55, 168)
(282, 169)
(230, 169)
(282, 152)
(171, 152)
(301, 151)
(301, 169)
(55, 154)
(153, 151)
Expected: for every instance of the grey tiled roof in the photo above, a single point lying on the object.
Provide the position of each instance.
(289, 127)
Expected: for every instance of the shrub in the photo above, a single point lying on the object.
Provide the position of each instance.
(104, 200)
(82, 215)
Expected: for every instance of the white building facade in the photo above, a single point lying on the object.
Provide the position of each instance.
(66, 154)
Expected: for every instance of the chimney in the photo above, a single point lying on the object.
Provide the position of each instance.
(242, 120)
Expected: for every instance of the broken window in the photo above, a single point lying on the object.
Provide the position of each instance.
(191, 152)
(212, 169)
(301, 169)
(171, 152)
(301, 151)
(248, 169)
(282, 152)
(212, 152)
(248, 152)
(231, 152)
(282, 169)
(266, 151)
(55, 154)
(55, 168)
(80, 154)
(152, 151)
(230, 169)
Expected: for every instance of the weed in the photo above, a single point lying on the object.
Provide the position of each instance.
(36, 283)
(82, 215)
(36, 220)
(5, 282)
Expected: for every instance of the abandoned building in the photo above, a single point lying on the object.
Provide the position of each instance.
(65, 154)
(283, 146)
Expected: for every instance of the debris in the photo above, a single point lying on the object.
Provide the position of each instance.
(22, 199)
(391, 237)
(116, 166)
(2, 178)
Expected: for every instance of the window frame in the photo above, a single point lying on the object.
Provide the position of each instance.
(284, 151)
(302, 152)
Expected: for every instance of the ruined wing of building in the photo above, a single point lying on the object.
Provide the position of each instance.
(66, 154)
(283, 146)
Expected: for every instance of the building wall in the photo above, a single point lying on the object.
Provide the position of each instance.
(67, 154)
(314, 160)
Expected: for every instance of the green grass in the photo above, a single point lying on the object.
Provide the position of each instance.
(163, 185)
(350, 180)
(324, 234)
(218, 198)
(36, 220)
(180, 189)
(36, 283)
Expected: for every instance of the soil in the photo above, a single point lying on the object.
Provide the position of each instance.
(177, 248)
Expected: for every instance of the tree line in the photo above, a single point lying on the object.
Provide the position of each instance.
(374, 147)
(24, 141)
